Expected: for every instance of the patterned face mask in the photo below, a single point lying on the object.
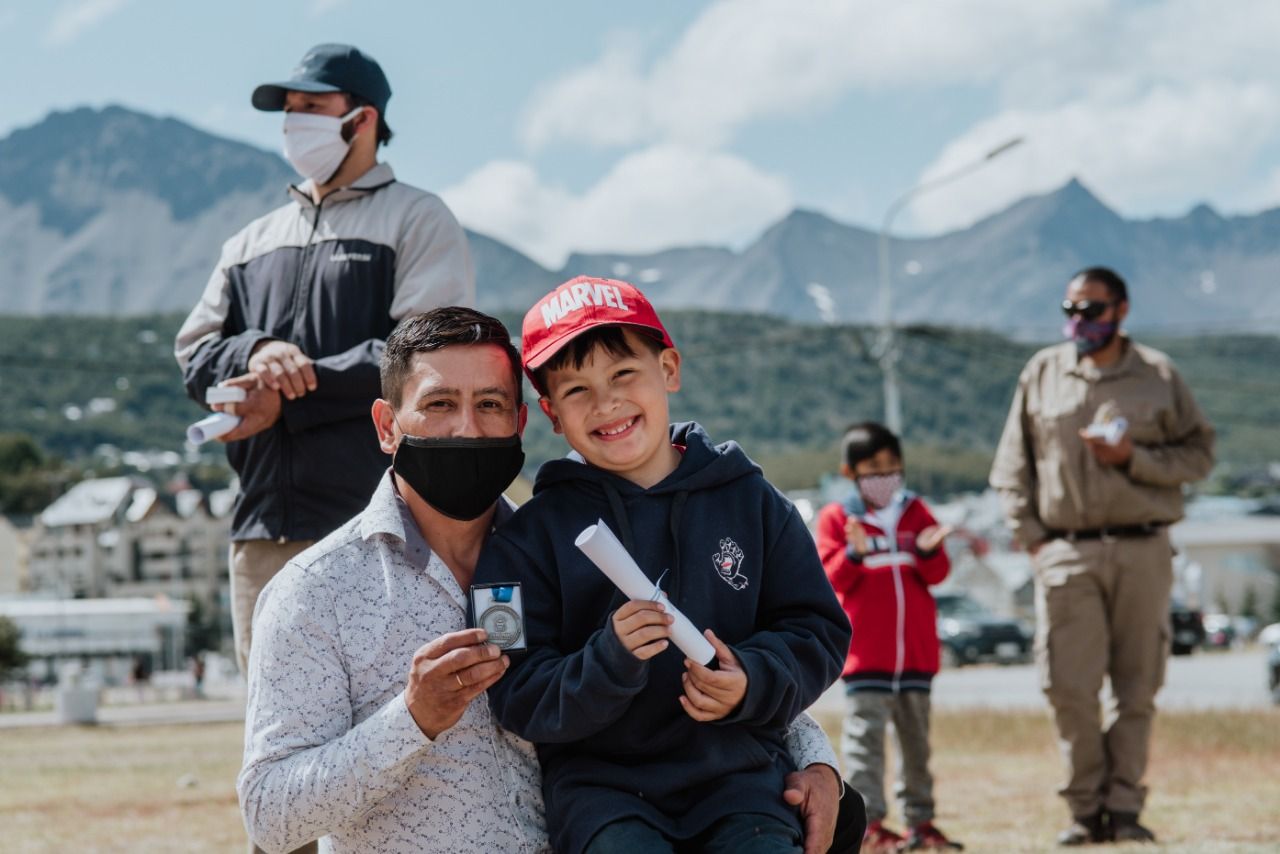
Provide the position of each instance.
(1089, 335)
(878, 490)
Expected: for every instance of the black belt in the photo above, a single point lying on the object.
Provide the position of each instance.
(1116, 533)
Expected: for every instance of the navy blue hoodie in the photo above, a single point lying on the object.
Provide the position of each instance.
(612, 737)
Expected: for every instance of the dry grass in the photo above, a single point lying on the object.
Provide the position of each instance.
(1214, 785)
(116, 789)
(1213, 781)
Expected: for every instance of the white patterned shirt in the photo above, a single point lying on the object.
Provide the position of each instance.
(331, 751)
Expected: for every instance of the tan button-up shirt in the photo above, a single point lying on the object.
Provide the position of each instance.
(1046, 475)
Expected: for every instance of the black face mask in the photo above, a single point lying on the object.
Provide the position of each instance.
(461, 478)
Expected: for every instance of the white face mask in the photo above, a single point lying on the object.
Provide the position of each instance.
(313, 144)
(878, 490)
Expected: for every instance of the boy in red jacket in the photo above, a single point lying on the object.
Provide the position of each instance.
(882, 549)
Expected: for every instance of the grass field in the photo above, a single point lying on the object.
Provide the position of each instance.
(1214, 780)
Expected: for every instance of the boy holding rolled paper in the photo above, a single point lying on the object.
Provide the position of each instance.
(642, 748)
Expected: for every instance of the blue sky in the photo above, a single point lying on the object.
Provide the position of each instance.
(587, 125)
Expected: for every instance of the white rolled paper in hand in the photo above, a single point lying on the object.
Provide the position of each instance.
(211, 428)
(599, 543)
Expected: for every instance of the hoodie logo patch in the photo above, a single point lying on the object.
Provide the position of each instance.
(728, 563)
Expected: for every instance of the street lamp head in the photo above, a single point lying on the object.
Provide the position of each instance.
(1001, 149)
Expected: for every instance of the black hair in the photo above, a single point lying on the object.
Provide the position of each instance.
(433, 330)
(864, 440)
(1108, 278)
(384, 131)
(577, 351)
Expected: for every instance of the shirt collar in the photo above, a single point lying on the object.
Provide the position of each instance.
(389, 514)
(383, 514)
(1089, 371)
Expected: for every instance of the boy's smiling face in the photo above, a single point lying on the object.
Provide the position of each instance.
(613, 409)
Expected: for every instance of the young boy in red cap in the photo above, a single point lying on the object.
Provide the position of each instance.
(642, 749)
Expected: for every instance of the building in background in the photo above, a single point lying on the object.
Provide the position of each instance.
(1225, 560)
(118, 537)
(14, 577)
(106, 639)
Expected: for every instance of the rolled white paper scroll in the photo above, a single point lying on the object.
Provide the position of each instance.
(225, 394)
(599, 543)
(211, 428)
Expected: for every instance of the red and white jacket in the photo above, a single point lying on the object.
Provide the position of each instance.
(885, 592)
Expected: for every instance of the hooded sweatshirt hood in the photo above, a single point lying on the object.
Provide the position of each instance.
(703, 465)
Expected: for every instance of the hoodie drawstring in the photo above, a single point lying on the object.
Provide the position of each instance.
(674, 519)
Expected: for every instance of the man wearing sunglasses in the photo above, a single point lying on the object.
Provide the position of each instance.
(1101, 437)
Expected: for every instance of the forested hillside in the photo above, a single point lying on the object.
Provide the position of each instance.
(783, 390)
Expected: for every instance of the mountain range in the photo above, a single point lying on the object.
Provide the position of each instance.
(112, 211)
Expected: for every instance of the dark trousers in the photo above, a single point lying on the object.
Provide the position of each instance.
(851, 823)
(636, 836)
(744, 833)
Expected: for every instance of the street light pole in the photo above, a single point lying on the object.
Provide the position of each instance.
(887, 348)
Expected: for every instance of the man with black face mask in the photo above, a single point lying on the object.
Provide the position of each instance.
(1101, 437)
(298, 307)
(366, 719)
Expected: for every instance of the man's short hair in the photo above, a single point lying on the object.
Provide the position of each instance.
(1108, 278)
(864, 440)
(436, 329)
(611, 338)
(384, 131)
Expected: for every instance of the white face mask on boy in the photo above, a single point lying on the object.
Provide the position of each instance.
(878, 490)
(313, 144)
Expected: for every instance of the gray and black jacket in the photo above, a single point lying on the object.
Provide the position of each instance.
(333, 278)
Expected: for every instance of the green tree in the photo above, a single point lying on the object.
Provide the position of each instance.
(29, 480)
(12, 658)
(1249, 603)
(1275, 604)
(203, 632)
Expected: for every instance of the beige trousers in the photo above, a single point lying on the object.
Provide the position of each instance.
(1102, 610)
(253, 564)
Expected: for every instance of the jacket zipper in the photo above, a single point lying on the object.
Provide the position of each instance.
(900, 595)
(286, 468)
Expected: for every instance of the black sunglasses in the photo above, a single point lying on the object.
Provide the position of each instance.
(1089, 309)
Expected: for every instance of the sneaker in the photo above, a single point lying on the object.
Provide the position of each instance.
(1125, 828)
(881, 840)
(926, 837)
(1085, 830)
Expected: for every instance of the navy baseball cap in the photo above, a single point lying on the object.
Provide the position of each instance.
(330, 68)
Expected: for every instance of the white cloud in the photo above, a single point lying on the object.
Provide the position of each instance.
(75, 17)
(1143, 152)
(745, 60)
(652, 199)
(1155, 105)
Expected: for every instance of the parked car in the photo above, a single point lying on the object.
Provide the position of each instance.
(1273, 673)
(1270, 638)
(1188, 628)
(969, 633)
(1219, 631)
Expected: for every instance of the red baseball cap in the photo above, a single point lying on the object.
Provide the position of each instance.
(580, 304)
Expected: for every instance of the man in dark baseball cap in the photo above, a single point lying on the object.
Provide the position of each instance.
(297, 311)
